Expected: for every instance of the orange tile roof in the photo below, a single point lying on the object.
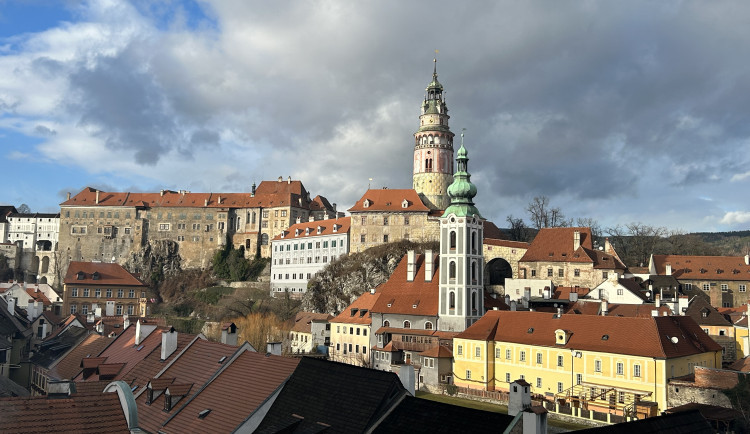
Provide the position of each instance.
(303, 321)
(109, 274)
(390, 200)
(593, 307)
(80, 413)
(251, 375)
(438, 351)
(38, 295)
(268, 194)
(649, 337)
(342, 227)
(556, 245)
(410, 298)
(124, 350)
(563, 292)
(703, 267)
(362, 315)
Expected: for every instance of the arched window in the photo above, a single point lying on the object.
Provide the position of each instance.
(428, 165)
(428, 325)
(473, 242)
(407, 325)
(453, 240)
(386, 323)
(474, 302)
(473, 272)
(452, 300)
(452, 270)
(264, 239)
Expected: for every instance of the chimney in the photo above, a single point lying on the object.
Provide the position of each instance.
(311, 218)
(161, 193)
(205, 202)
(281, 178)
(513, 306)
(654, 312)
(142, 330)
(252, 190)
(372, 290)
(125, 321)
(299, 220)
(11, 305)
(273, 348)
(657, 300)
(68, 195)
(546, 293)
(168, 343)
(507, 299)
(747, 259)
(669, 269)
(527, 293)
(289, 180)
(97, 196)
(682, 304)
(576, 240)
(411, 256)
(573, 296)
(559, 311)
(428, 262)
(607, 246)
(98, 312)
(229, 334)
(605, 308)
(90, 318)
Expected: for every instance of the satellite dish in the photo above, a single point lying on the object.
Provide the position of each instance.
(648, 293)
(674, 339)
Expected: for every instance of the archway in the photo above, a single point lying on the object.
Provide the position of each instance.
(496, 271)
(34, 265)
(45, 265)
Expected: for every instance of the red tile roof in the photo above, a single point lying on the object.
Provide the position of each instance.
(437, 351)
(303, 321)
(362, 315)
(390, 200)
(69, 366)
(397, 295)
(563, 292)
(506, 243)
(300, 229)
(109, 274)
(556, 245)
(268, 194)
(649, 337)
(195, 365)
(38, 295)
(592, 307)
(252, 376)
(703, 267)
(80, 413)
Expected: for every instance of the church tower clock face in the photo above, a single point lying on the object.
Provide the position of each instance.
(433, 148)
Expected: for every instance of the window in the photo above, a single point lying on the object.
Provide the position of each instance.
(385, 238)
(706, 286)
(385, 221)
(579, 378)
(73, 308)
(460, 350)
(523, 356)
(533, 273)
(478, 352)
(560, 273)
(109, 293)
(724, 287)
(604, 274)
(507, 377)
(743, 288)
(120, 293)
(97, 293)
(86, 292)
(74, 292)
(507, 354)
(577, 272)
(620, 291)
(621, 397)
(163, 226)
(636, 370)
(131, 309)
(538, 382)
(549, 272)
(85, 309)
(428, 325)
(468, 374)
(362, 238)
(539, 358)
(620, 368)
(131, 293)
(559, 387)
(598, 366)
(118, 309)
(406, 220)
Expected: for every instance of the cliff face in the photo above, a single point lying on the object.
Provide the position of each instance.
(345, 279)
(156, 259)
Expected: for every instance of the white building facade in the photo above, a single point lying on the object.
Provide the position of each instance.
(304, 249)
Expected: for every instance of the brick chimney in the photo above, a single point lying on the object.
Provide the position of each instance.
(168, 343)
(410, 265)
(428, 265)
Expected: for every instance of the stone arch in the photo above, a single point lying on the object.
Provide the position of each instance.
(45, 265)
(34, 265)
(43, 279)
(497, 270)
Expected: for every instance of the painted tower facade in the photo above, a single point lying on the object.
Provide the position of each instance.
(433, 148)
(461, 260)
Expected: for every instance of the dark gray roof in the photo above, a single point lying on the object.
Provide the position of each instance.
(690, 422)
(335, 397)
(415, 415)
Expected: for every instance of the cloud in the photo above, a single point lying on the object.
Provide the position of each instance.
(736, 217)
(609, 110)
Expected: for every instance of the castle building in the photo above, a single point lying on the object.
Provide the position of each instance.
(36, 236)
(103, 289)
(111, 226)
(304, 249)
(433, 148)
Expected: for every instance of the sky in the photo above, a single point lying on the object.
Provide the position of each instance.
(621, 112)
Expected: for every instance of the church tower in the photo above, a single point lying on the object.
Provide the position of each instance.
(461, 260)
(433, 148)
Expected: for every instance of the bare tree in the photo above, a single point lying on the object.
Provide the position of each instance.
(635, 242)
(542, 215)
(518, 230)
(588, 222)
(24, 209)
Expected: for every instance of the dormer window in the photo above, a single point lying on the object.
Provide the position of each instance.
(561, 337)
(335, 228)
(296, 232)
(307, 231)
(96, 275)
(80, 275)
(366, 203)
(320, 229)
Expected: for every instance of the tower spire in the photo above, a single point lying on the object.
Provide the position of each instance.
(462, 191)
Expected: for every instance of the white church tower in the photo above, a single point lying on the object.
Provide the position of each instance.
(461, 260)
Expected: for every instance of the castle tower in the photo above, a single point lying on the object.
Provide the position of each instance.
(461, 260)
(433, 148)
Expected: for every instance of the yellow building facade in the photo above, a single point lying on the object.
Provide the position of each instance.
(595, 362)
